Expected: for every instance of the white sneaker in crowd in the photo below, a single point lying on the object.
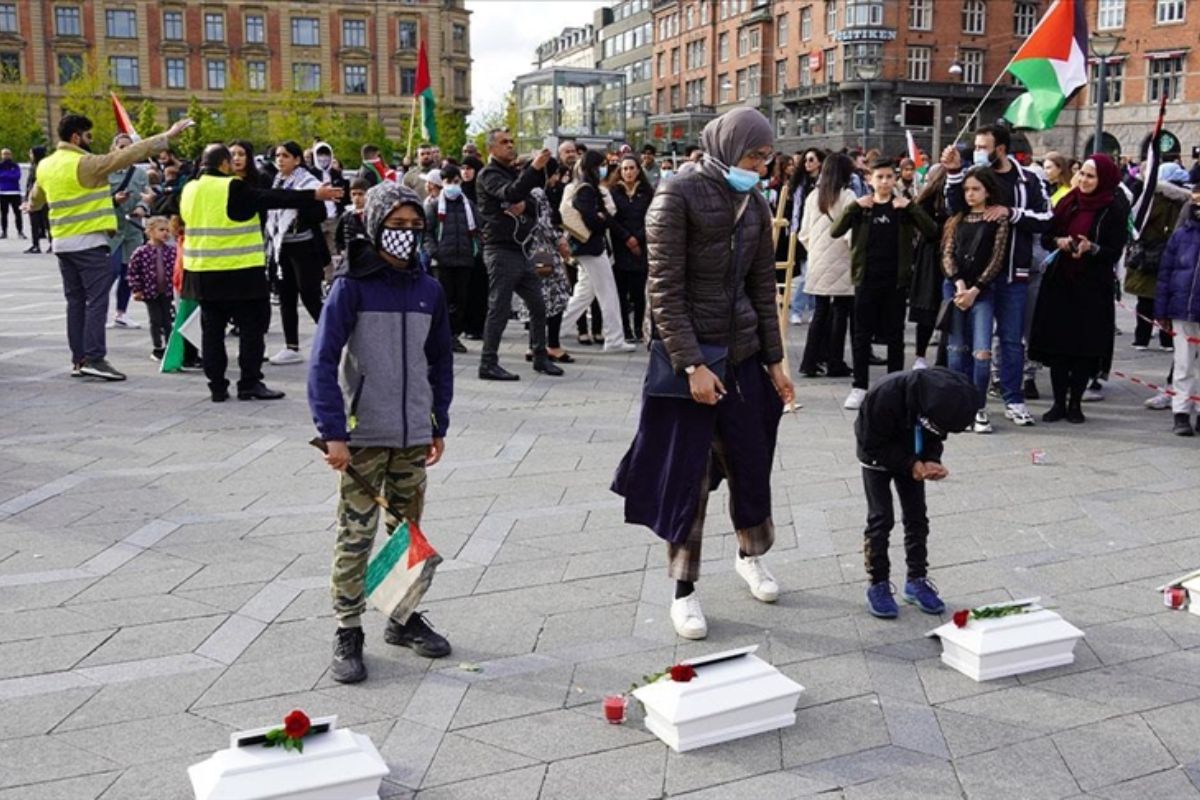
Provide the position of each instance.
(1160, 402)
(123, 321)
(1092, 394)
(982, 423)
(854, 400)
(287, 356)
(623, 347)
(795, 319)
(688, 618)
(1018, 413)
(761, 582)
(920, 363)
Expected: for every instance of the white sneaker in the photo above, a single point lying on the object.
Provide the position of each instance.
(623, 347)
(795, 319)
(762, 584)
(1018, 413)
(1160, 402)
(287, 356)
(1091, 395)
(919, 363)
(982, 423)
(688, 618)
(854, 400)
(123, 321)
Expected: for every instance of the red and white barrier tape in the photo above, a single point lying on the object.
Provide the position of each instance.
(1154, 322)
(1167, 390)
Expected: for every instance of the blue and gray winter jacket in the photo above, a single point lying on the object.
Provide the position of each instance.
(1178, 295)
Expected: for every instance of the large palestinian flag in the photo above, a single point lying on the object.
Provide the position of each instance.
(401, 572)
(424, 94)
(1052, 64)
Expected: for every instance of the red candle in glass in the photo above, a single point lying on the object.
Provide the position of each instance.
(614, 708)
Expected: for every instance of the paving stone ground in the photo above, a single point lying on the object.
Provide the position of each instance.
(163, 570)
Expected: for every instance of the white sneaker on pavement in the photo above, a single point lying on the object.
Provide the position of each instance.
(1018, 413)
(623, 347)
(1092, 395)
(854, 400)
(920, 363)
(123, 321)
(287, 356)
(688, 618)
(795, 319)
(1160, 402)
(982, 423)
(754, 572)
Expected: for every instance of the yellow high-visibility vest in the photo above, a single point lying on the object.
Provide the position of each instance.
(75, 210)
(212, 241)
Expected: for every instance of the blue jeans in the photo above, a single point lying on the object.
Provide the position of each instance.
(801, 302)
(119, 268)
(971, 336)
(1010, 300)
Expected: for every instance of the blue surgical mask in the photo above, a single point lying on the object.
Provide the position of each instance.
(452, 191)
(982, 158)
(603, 173)
(741, 180)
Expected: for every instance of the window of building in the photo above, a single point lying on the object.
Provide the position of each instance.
(805, 71)
(689, 17)
(696, 55)
(781, 30)
(306, 31)
(124, 70)
(724, 88)
(120, 23)
(743, 40)
(1025, 17)
(1165, 78)
(1110, 14)
(856, 53)
(723, 47)
(67, 21)
(674, 60)
(408, 81)
(460, 84)
(695, 92)
(741, 84)
(458, 37)
(754, 80)
(780, 75)
(972, 66)
(755, 40)
(176, 73)
(858, 116)
(920, 15)
(861, 13)
(659, 62)
(70, 67)
(830, 16)
(10, 67)
(831, 65)
(1167, 12)
(407, 39)
(255, 29)
(1114, 83)
(806, 23)
(306, 77)
(256, 76)
(675, 96)
(214, 69)
(354, 79)
(173, 26)
(8, 18)
(214, 27)
(660, 101)
(917, 63)
(354, 33)
(974, 17)
(175, 114)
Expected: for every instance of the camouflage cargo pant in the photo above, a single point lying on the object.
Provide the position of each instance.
(400, 472)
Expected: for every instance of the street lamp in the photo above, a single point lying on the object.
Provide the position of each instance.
(1104, 46)
(868, 70)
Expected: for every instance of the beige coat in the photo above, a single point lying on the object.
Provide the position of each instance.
(828, 258)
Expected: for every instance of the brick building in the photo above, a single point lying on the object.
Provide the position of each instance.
(360, 54)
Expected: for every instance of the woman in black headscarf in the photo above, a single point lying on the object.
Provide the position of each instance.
(39, 221)
(715, 388)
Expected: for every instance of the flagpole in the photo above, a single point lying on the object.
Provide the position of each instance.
(412, 122)
(979, 105)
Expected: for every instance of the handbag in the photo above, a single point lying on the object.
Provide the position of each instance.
(542, 259)
(572, 220)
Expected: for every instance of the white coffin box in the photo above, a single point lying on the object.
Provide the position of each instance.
(734, 694)
(994, 648)
(336, 765)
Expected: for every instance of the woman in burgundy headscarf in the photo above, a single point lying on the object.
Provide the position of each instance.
(1072, 329)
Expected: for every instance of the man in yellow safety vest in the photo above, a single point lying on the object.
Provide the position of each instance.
(74, 184)
(224, 266)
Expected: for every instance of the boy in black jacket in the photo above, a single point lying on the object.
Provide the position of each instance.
(900, 428)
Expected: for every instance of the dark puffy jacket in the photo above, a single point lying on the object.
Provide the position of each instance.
(886, 423)
(1179, 273)
(857, 220)
(630, 221)
(498, 187)
(590, 205)
(690, 238)
(451, 244)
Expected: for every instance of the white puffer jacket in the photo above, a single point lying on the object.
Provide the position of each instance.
(828, 258)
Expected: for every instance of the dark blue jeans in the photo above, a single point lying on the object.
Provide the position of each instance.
(1010, 301)
(970, 336)
(119, 268)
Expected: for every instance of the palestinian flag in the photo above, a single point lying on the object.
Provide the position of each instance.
(424, 95)
(1052, 64)
(124, 123)
(914, 152)
(401, 572)
(1145, 199)
(187, 328)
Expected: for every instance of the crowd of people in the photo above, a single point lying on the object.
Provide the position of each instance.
(1011, 266)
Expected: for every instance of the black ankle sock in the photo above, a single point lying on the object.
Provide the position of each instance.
(684, 588)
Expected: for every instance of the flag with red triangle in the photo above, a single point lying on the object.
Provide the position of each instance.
(1052, 65)
(401, 572)
(124, 123)
(423, 91)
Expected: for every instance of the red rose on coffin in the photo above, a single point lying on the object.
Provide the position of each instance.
(296, 724)
(682, 673)
(961, 617)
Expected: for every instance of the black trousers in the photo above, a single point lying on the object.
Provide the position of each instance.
(301, 274)
(39, 226)
(456, 283)
(477, 299)
(826, 341)
(12, 201)
(1144, 330)
(877, 312)
(1069, 376)
(162, 318)
(631, 291)
(881, 519)
(251, 318)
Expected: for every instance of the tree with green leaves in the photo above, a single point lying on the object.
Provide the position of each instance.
(87, 93)
(20, 120)
(190, 143)
(147, 120)
(503, 115)
(452, 131)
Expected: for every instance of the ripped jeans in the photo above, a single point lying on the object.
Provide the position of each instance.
(970, 348)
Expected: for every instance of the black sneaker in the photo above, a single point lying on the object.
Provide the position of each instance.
(542, 364)
(495, 372)
(1183, 425)
(347, 665)
(417, 634)
(457, 346)
(100, 368)
(259, 391)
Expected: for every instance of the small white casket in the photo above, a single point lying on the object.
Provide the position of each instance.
(994, 648)
(337, 764)
(734, 694)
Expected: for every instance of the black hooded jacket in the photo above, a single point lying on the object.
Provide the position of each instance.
(885, 428)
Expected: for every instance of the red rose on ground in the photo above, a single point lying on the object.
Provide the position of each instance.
(682, 673)
(961, 616)
(296, 724)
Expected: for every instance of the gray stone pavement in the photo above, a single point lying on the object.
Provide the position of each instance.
(163, 568)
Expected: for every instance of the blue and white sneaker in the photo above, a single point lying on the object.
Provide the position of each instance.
(880, 602)
(923, 594)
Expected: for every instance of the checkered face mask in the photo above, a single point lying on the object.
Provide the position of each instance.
(401, 243)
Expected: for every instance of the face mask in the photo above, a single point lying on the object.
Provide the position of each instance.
(452, 192)
(400, 243)
(603, 173)
(741, 180)
(982, 158)
(666, 173)
(324, 161)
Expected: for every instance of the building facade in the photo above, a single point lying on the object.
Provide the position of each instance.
(574, 47)
(361, 55)
(625, 44)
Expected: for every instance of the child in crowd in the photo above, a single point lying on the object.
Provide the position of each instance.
(1177, 307)
(881, 226)
(350, 223)
(385, 323)
(452, 246)
(900, 428)
(150, 269)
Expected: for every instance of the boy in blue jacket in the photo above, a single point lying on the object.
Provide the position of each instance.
(386, 325)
